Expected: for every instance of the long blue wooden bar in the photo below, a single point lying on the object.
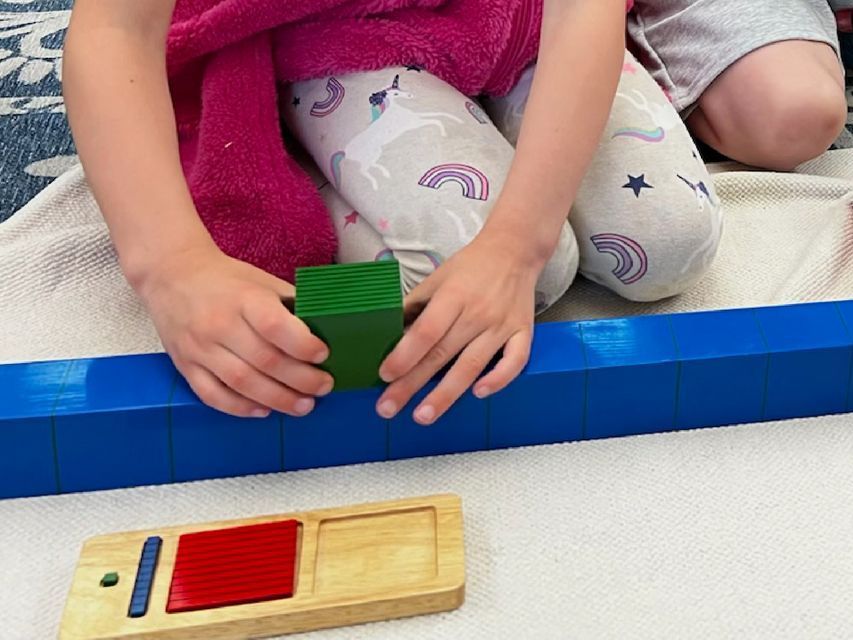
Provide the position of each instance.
(102, 423)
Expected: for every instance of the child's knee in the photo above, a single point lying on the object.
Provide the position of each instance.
(685, 254)
(776, 107)
(801, 121)
(779, 125)
(661, 260)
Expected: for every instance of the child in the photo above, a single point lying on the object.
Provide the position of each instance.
(415, 170)
(758, 81)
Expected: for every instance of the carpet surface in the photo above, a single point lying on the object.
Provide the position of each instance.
(740, 532)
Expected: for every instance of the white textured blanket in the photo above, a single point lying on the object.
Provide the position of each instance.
(738, 532)
(787, 238)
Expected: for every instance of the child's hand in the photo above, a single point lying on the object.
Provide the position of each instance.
(482, 299)
(224, 325)
(479, 301)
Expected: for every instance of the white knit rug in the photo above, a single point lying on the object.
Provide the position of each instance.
(726, 533)
(721, 533)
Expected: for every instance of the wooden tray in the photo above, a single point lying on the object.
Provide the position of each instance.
(353, 564)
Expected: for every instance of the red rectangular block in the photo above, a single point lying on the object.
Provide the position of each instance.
(233, 566)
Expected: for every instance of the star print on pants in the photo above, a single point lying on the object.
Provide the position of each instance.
(637, 184)
(351, 218)
(296, 101)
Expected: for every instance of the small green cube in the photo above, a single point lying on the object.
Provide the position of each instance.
(110, 579)
(357, 310)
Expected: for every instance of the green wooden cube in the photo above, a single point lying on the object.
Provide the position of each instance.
(357, 310)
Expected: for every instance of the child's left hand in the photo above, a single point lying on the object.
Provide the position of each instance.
(479, 301)
(482, 299)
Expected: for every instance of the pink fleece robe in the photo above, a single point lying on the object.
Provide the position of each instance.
(226, 58)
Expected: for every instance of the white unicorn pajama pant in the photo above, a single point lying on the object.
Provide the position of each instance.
(412, 169)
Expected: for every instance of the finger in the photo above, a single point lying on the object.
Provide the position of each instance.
(285, 291)
(412, 311)
(287, 332)
(289, 303)
(216, 395)
(515, 356)
(417, 300)
(270, 360)
(282, 288)
(423, 338)
(470, 364)
(398, 394)
(250, 383)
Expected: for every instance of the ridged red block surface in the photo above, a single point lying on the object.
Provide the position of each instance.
(234, 566)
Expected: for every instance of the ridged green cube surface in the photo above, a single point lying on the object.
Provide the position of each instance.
(357, 310)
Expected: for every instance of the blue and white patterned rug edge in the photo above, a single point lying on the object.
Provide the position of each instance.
(36, 143)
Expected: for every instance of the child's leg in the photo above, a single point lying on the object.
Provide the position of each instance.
(646, 218)
(418, 167)
(775, 108)
(363, 242)
(759, 81)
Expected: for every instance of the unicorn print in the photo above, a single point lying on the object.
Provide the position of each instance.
(706, 251)
(663, 117)
(391, 119)
(700, 190)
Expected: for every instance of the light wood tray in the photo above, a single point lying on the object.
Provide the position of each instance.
(355, 564)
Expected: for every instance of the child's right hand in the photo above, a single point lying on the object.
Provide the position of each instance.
(225, 327)
(221, 320)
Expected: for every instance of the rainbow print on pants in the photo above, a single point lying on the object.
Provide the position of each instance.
(646, 135)
(333, 100)
(474, 184)
(631, 260)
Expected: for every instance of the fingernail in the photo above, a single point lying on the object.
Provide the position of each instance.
(303, 406)
(385, 375)
(425, 414)
(259, 413)
(482, 392)
(387, 409)
(327, 387)
(321, 357)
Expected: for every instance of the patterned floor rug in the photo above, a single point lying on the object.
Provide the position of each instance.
(35, 143)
